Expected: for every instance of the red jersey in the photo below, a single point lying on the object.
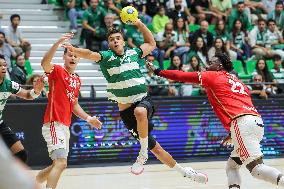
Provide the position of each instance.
(63, 93)
(229, 97)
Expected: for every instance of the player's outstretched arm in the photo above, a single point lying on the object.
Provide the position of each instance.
(149, 41)
(34, 93)
(176, 75)
(92, 120)
(83, 53)
(46, 60)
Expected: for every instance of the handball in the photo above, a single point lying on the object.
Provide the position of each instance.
(129, 15)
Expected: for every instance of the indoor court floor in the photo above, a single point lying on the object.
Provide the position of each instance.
(158, 176)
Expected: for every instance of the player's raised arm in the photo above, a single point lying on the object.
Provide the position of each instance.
(83, 53)
(46, 60)
(188, 77)
(34, 93)
(149, 41)
(92, 120)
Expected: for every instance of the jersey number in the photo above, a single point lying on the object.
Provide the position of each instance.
(237, 87)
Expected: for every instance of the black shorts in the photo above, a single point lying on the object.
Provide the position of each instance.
(130, 122)
(8, 135)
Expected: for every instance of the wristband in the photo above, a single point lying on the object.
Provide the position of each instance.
(33, 94)
(88, 119)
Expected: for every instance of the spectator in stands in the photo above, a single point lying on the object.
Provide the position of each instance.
(110, 7)
(6, 50)
(19, 73)
(199, 49)
(152, 7)
(15, 39)
(262, 69)
(222, 7)
(257, 89)
(274, 39)
(257, 39)
(134, 37)
(109, 23)
(221, 32)
(157, 86)
(160, 20)
(182, 41)
(277, 15)
(140, 5)
(166, 41)
(176, 64)
(278, 72)
(194, 64)
(92, 22)
(269, 5)
(202, 10)
(180, 10)
(257, 10)
(75, 9)
(241, 14)
(218, 47)
(33, 79)
(240, 41)
(204, 33)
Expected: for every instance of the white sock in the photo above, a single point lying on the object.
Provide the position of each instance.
(144, 144)
(179, 169)
(48, 188)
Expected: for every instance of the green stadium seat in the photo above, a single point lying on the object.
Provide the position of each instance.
(211, 28)
(238, 67)
(28, 68)
(167, 64)
(251, 66)
(270, 64)
(193, 27)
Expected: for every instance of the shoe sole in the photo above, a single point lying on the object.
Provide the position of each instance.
(137, 173)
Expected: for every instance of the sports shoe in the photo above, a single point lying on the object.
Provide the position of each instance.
(195, 176)
(138, 168)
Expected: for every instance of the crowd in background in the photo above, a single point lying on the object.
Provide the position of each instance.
(188, 33)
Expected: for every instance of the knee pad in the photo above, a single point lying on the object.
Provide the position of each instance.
(23, 155)
(233, 175)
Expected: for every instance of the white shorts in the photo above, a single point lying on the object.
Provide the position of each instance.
(247, 132)
(57, 136)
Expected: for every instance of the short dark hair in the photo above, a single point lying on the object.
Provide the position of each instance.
(2, 56)
(277, 57)
(2, 34)
(279, 3)
(225, 61)
(18, 56)
(14, 16)
(113, 31)
(271, 20)
(65, 50)
(240, 3)
(261, 20)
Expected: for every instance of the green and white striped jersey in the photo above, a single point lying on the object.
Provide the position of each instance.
(126, 83)
(7, 87)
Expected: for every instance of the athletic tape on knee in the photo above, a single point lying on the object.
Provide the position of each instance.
(23, 155)
(233, 175)
(266, 173)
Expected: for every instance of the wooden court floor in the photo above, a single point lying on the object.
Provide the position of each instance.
(157, 176)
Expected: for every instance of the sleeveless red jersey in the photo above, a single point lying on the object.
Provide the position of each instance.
(229, 97)
(63, 93)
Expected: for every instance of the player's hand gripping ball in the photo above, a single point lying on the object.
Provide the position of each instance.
(129, 15)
